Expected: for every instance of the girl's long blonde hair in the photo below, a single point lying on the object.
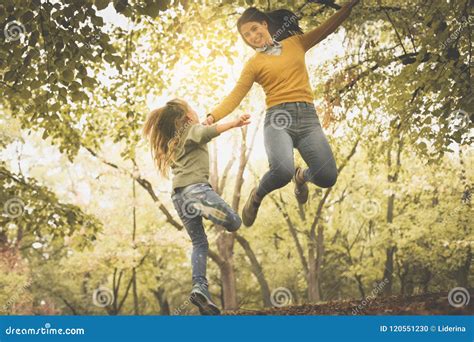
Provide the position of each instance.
(163, 128)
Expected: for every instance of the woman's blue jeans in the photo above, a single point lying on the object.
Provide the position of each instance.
(192, 203)
(296, 125)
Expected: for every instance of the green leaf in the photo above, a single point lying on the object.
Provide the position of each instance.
(76, 96)
(101, 4)
(9, 76)
(120, 5)
(26, 94)
(98, 21)
(27, 17)
(68, 75)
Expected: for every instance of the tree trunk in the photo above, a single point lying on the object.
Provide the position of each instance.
(425, 280)
(3, 241)
(360, 285)
(316, 245)
(388, 272)
(315, 263)
(403, 276)
(390, 251)
(257, 270)
(313, 290)
(462, 275)
(319, 258)
(135, 292)
(163, 301)
(225, 245)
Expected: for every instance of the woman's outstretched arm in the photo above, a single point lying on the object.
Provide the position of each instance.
(313, 37)
(227, 106)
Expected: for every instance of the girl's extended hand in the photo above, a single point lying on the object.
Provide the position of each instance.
(243, 120)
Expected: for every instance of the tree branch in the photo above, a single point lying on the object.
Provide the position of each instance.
(256, 268)
(216, 258)
(144, 184)
(281, 207)
(326, 193)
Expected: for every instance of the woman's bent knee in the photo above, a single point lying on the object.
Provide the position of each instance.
(283, 176)
(325, 181)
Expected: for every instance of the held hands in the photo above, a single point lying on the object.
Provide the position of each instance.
(208, 121)
(243, 120)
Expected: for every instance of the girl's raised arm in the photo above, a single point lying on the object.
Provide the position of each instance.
(243, 120)
(316, 35)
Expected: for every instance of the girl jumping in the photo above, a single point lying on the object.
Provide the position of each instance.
(178, 142)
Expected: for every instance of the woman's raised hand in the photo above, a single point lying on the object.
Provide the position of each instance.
(243, 120)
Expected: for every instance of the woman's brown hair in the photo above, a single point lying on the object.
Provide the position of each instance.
(163, 128)
(282, 23)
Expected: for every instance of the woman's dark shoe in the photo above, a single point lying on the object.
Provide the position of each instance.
(249, 213)
(201, 298)
(301, 188)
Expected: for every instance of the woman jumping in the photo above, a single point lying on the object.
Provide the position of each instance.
(291, 120)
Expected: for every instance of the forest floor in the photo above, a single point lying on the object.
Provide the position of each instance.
(425, 304)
